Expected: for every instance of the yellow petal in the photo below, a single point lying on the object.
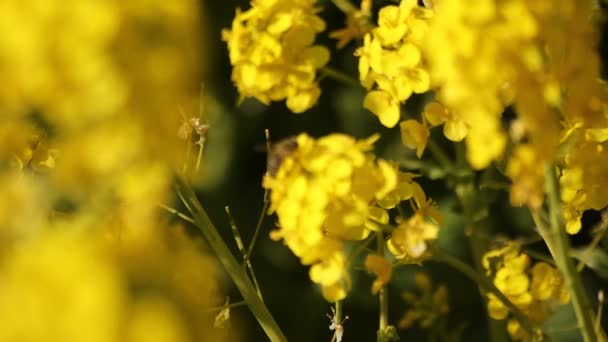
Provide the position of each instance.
(384, 106)
(381, 267)
(414, 135)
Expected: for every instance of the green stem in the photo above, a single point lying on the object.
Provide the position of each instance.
(345, 6)
(339, 76)
(582, 309)
(466, 193)
(231, 306)
(600, 231)
(258, 226)
(383, 294)
(439, 155)
(239, 243)
(487, 286)
(233, 268)
(177, 213)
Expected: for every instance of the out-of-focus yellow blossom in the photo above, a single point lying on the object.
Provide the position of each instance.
(535, 290)
(358, 23)
(70, 285)
(454, 127)
(548, 283)
(427, 305)
(272, 52)
(411, 236)
(325, 192)
(60, 287)
(381, 267)
(584, 173)
(524, 168)
(390, 60)
(414, 135)
(474, 49)
(405, 189)
(87, 152)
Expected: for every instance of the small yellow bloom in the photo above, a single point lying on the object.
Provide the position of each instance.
(390, 59)
(410, 238)
(384, 106)
(454, 127)
(414, 135)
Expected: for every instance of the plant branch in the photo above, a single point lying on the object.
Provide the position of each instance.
(232, 267)
(560, 251)
(337, 75)
(487, 286)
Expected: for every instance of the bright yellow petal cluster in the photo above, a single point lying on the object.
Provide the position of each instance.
(324, 193)
(411, 237)
(272, 52)
(534, 290)
(474, 49)
(390, 60)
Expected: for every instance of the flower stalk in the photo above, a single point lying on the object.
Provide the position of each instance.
(230, 264)
(559, 247)
(486, 286)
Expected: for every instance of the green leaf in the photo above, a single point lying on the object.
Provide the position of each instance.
(596, 259)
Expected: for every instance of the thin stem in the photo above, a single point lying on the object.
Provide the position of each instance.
(582, 309)
(258, 226)
(383, 294)
(232, 267)
(339, 76)
(177, 213)
(600, 232)
(345, 6)
(439, 155)
(357, 250)
(487, 286)
(199, 157)
(466, 193)
(231, 305)
(241, 247)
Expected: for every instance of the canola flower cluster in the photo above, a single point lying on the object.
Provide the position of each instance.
(272, 52)
(87, 151)
(535, 289)
(391, 59)
(332, 190)
(540, 58)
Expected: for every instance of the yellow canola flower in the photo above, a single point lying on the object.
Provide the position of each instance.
(326, 192)
(414, 135)
(411, 237)
(528, 177)
(454, 127)
(584, 170)
(391, 66)
(272, 52)
(535, 289)
(474, 49)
